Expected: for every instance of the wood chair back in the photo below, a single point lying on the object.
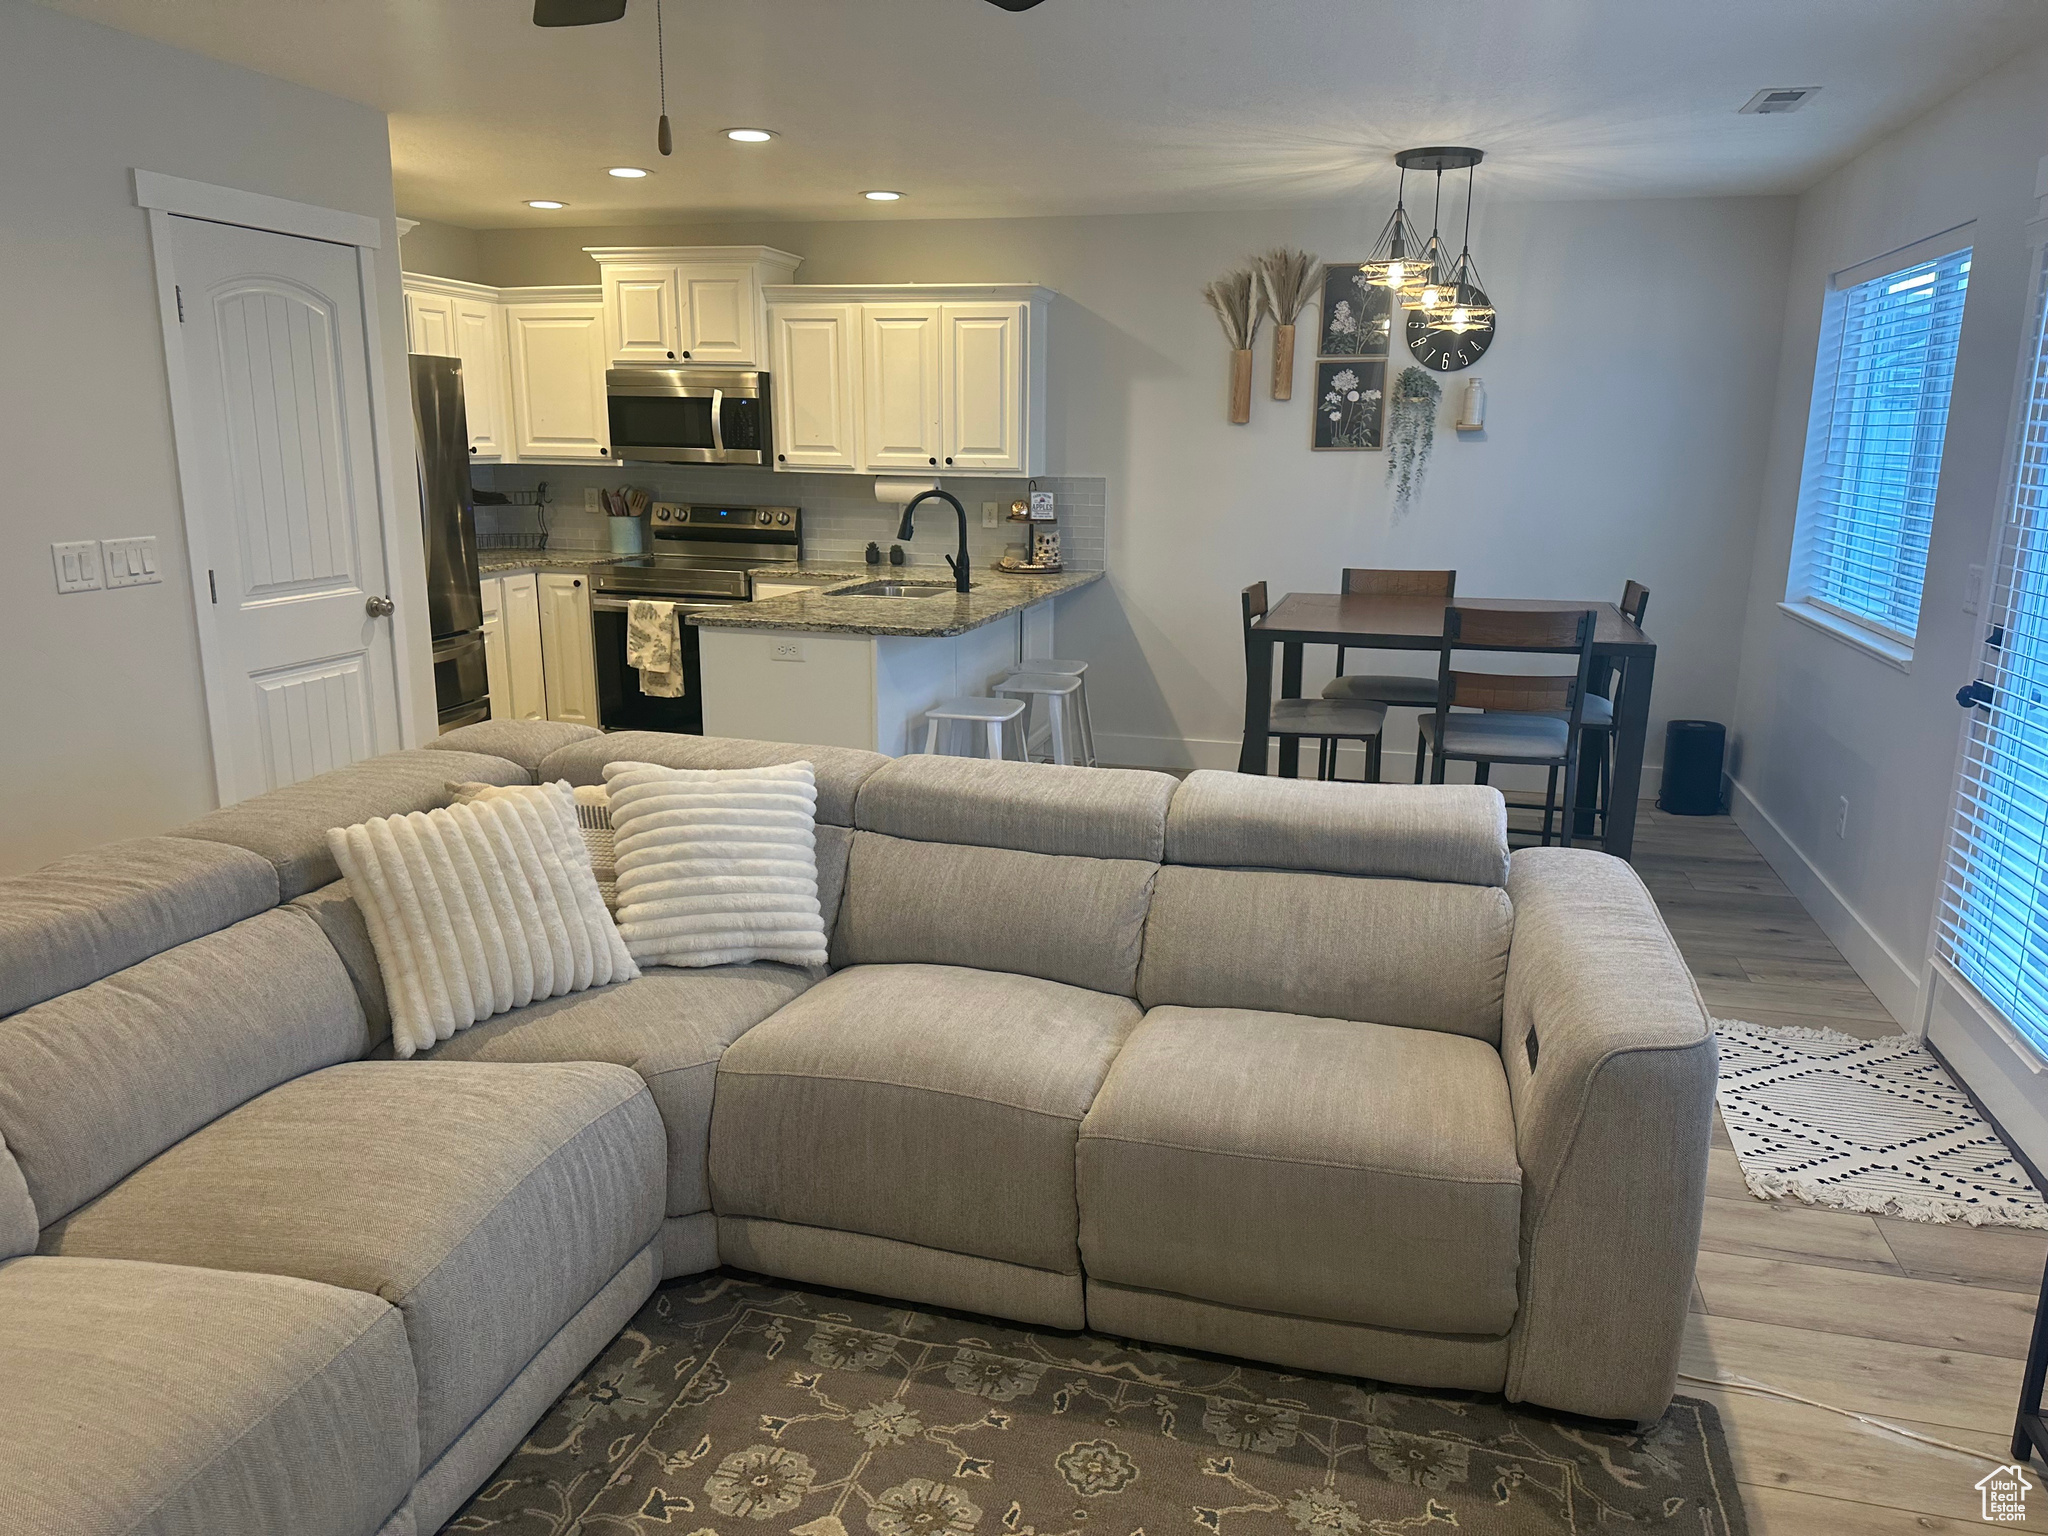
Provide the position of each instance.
(1514, 693)
(1253, 602)
(1529, 631)
(1635, 602)
(1364, 581)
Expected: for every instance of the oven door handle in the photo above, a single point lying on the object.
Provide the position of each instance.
(717, 424)
(623, 605)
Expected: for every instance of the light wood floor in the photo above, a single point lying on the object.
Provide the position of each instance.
(1917, 1324)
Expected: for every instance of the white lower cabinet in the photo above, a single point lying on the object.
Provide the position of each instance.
(512, 652)
(566, 656)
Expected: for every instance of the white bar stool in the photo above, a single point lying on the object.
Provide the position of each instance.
(1056, 691)
(1085, 722)
(994, 714)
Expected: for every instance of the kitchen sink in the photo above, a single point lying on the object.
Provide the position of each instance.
(897, 589)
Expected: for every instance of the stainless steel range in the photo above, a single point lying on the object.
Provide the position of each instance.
(701, 556)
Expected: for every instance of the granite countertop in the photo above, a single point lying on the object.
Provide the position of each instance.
(495, 562)
(995, 595)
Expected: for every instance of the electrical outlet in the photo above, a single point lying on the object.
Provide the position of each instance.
(130, 562)
(78, 565)
(591, 501)
(1842, 818)
(788, 650)
(990, 511)
(1973, 590)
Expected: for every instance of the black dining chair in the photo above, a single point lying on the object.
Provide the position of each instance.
(1389, 687)
(1599, 716)
(1533, 720)
(1327, 721)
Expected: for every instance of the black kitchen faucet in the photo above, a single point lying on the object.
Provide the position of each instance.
(959, 564)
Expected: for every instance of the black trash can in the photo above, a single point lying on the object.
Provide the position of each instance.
(1692, 767)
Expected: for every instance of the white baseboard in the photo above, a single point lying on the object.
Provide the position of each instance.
(1896, 983)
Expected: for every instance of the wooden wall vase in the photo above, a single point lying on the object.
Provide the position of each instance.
(1241, 387)
(1283, 362)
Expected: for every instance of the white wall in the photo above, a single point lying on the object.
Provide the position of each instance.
(1817, 719)
(1630, 391)
(102, 718)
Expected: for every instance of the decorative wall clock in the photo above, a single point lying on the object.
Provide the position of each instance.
(1446, 348)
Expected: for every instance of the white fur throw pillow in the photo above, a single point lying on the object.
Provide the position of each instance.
(717, 866)
(593, 820)
(478, 908)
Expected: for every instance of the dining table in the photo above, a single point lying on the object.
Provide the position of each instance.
(1624, 661)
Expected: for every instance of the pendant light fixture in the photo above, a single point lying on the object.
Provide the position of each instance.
(1463, 305)
(663, 139)
(1394, 257)
(1427, 278)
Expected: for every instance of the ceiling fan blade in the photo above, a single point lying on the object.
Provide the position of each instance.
(576, 13)
(1015, 5)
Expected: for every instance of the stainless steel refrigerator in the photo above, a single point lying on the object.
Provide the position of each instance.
(455, 607)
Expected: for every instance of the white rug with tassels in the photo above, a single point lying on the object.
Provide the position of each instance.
(1865, 1125)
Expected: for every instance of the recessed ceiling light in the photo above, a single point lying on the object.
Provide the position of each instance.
(627, 172)
(750, 135)
(882, 197)
(544, 202)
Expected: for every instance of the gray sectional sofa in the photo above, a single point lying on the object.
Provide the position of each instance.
(1308, 1073)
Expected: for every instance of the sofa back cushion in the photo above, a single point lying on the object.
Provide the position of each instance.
(289, 826)
(1426, 954)
(18, 1225)
(838, 771)
(525, 742)
(97, 1082)
(1098, 813)
(1449, 832)
(73, 922)
(1075, 920)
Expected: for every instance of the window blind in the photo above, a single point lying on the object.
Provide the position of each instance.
(1992, 926)
(1888, 352)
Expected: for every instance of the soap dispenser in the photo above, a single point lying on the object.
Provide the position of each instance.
(874, 553)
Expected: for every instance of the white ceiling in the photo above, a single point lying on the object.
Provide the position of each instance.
(1091, 106)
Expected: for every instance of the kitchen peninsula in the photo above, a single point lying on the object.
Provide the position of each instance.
(836, 666)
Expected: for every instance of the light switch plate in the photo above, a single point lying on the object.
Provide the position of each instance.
(990, 512)
(591, 503)
(78, 566)
(131, 562)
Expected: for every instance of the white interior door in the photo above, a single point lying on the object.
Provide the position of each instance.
(282, 504)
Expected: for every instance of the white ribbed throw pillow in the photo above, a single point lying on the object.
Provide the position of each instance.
(478, 908)
(593, 820)
(717, 865)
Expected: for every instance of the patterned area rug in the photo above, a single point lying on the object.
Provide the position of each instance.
(733, 1405)
(1865, 1125)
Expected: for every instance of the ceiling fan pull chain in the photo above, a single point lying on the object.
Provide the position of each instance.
(663, 139)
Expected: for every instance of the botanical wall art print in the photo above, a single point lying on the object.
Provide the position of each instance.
(1357, 315)
(1351, 397)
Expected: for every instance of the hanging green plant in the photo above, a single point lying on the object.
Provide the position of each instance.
(1411, 433)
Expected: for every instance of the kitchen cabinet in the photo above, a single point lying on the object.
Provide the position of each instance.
(557, 353)
(565, 646)
(430, 323)
(951, 376)
(451, 319)
(512, 649)
(814, 389)
(902, 404)
(689, 304)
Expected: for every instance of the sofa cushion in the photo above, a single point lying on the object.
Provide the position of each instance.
(18, 1223)
(289, 826)
(930, 1104)
(1417, 953)
(1353, 1172)
(670, 1026)
(95, 1083)
(1075, 920)
(1451, 832)
(840, 771)
(525, 742)
(1100, 813)
(486, 1202)
(151, 1398)
(87, 916)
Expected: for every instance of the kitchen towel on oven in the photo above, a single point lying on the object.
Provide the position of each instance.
(654, 646)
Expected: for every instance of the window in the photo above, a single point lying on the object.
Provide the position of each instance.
(1992, 926)
(1873, 449)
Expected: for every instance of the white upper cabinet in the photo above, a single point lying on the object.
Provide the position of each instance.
(814, 386)
(429, 323)
(447, 318)
(557, 352)
(689, 304)
(986, 418)
(950, 377)
(902, 386)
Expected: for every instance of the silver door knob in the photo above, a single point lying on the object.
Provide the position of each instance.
(379, 607)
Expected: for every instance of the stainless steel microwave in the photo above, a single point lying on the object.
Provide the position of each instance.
(689, 415)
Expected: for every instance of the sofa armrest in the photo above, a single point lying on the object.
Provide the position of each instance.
(1610, 1062)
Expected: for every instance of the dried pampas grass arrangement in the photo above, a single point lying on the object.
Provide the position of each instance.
(1288, 278)
(1239, 300)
